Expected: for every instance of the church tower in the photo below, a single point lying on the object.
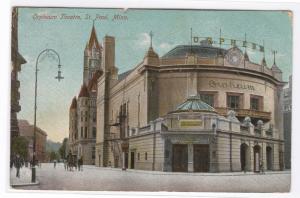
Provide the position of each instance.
(92, 57)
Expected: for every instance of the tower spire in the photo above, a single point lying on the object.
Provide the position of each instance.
(245, 43)
(93, 37)
(262, 49)
(274, 56)
(246, 57)
(151, 35)
(220, 39)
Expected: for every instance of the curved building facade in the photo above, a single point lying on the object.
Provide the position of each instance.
(197, 108)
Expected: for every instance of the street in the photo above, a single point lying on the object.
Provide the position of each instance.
(110, 179)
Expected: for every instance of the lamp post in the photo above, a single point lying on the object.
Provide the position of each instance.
(58, 77)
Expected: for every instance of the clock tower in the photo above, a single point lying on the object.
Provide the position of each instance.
(92, 57)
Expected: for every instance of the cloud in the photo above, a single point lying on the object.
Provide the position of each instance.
(165, 46)
(143, 40)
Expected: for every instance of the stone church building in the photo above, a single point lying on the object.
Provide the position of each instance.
(82, 113)
(198, 108)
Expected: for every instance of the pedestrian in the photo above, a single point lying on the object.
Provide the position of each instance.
(65, 164)
(12, 159)
(81, 163)
(69, 161)
(78, 164)
(18, 164)
(54, 162)
(261, 167)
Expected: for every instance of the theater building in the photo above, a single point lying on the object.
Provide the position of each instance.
(198, 108)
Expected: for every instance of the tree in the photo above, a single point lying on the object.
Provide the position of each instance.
(19, 146)
(53, 156)
(62, 149)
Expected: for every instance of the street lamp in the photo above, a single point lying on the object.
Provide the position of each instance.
(58, 77)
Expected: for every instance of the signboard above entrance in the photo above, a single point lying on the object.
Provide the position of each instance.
(191, 124)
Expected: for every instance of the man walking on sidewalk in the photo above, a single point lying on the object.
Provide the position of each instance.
(18, 165)
(54, 162)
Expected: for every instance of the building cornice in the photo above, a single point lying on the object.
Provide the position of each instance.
(212, 68)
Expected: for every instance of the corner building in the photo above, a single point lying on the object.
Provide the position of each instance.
(195, 109)
(82, 113)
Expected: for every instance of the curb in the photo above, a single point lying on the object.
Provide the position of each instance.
(25, 184)
(193, 174)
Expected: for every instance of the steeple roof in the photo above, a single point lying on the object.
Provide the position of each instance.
(93, 39)
(83, 91)
(94, 79)
(74, 103)
(151, 53)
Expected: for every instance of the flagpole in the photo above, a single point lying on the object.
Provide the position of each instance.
(220, 37)
(245, 45)
(191, 39)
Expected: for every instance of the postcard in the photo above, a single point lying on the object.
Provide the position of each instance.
(106, 99)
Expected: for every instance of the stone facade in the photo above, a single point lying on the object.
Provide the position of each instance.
(26, 130)
(133, 109)
(82, 114)
(16, 61)
(287, 122)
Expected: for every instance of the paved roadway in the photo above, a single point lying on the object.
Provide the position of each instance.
(109, 179)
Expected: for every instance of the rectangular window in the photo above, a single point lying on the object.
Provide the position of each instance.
(233, 101)
(81, 132)
(208, 99)
(146, 156)
(85, 132)
(93, 152)
(122, 120)
(94, 132)
(94, 117)
(86, 116)
(256, 103)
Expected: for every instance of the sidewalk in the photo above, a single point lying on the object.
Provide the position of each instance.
(187, 173)
(25, 177)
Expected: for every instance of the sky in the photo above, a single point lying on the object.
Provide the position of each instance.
(68, 37)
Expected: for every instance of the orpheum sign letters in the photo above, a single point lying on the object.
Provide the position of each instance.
(230, 85)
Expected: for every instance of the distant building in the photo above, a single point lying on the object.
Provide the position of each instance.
(82, 114)
(16, 61)
(287, 122)
(26, 130)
